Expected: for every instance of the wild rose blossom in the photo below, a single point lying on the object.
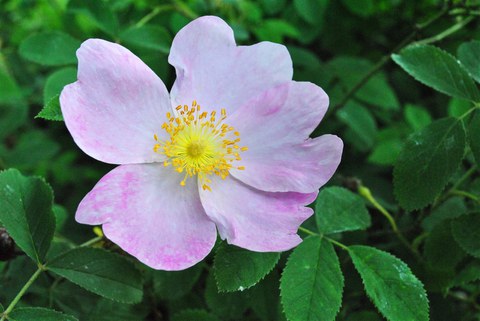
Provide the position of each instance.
(228, 149)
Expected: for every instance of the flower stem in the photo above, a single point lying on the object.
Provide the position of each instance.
(92, 241)
(309, 232)
(152, 14)
(466, 195)
(24, 289)
(367, 194)
(447, 32)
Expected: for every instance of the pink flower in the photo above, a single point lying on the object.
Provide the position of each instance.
(228, 149)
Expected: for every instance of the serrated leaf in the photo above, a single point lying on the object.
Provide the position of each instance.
(427, 161)
(151, 37)
(474, 136)
(56, 81)
(171, 285)
(338, 210)
(52, 110)
(363, 8)
(264, 300)
(26, 212)
(469, 55)
(312, 282)
(99, 12)
(39, 314)
(237, 269)
(437, 69)
(466, 231)
(50, 48)
(194, 315)
(101, 272)
(390, 284)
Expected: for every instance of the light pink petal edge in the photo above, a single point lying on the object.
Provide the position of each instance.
(146, 212)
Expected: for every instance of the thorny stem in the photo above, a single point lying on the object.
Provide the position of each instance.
(367, 194)
(407, 40)
(22, 291)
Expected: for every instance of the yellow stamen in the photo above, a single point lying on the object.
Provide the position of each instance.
(200, 144)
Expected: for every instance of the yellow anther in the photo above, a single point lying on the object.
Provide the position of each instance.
(199, 145)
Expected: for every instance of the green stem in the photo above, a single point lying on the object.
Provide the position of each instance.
(447, 32)
(307, 231)
(92, 241)
(367, 194)
(157, 10)
(341, 245)
(14, 302)
(466, 195)
(455, 186)
(384, 60)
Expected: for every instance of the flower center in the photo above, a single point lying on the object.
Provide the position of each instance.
(199, 144)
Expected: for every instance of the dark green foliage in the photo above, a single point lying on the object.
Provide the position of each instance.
(101, 272)
(312, 274)
(26, 212)
(427, 161)
(415, 149)
(390, 284)
(337, 210)
(237, 269)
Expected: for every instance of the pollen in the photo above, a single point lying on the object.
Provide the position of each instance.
(200, 144)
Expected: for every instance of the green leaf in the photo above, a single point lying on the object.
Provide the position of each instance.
(150, 37)
(194, 315)
(9, 90)
(417, 117)
(226, 305)
(56, 81)
(469, 274)
(312, 11)
(437, 69)
(39, 314)
(441, 251)
(171, 285)
(50, 48)
(364, 316)
(376, 91)
(386, 152)
(275, 30)
(312, 282)
(466, 231)
(451, 208)
(361, 122)
(338, 210)
(469, 56)
(101, 272)
(427, 161)
(237, 269)
(52, 110)
(458, 107)
(390, 284)
(364, 8)
(26, 212)
(474, 136)
(13, 111)
(264, 298)
(99, 12)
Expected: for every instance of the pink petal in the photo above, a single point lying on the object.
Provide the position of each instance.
(116, 106)
(147, 213)
(256, 220)
(216, 73)
(275, 127)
